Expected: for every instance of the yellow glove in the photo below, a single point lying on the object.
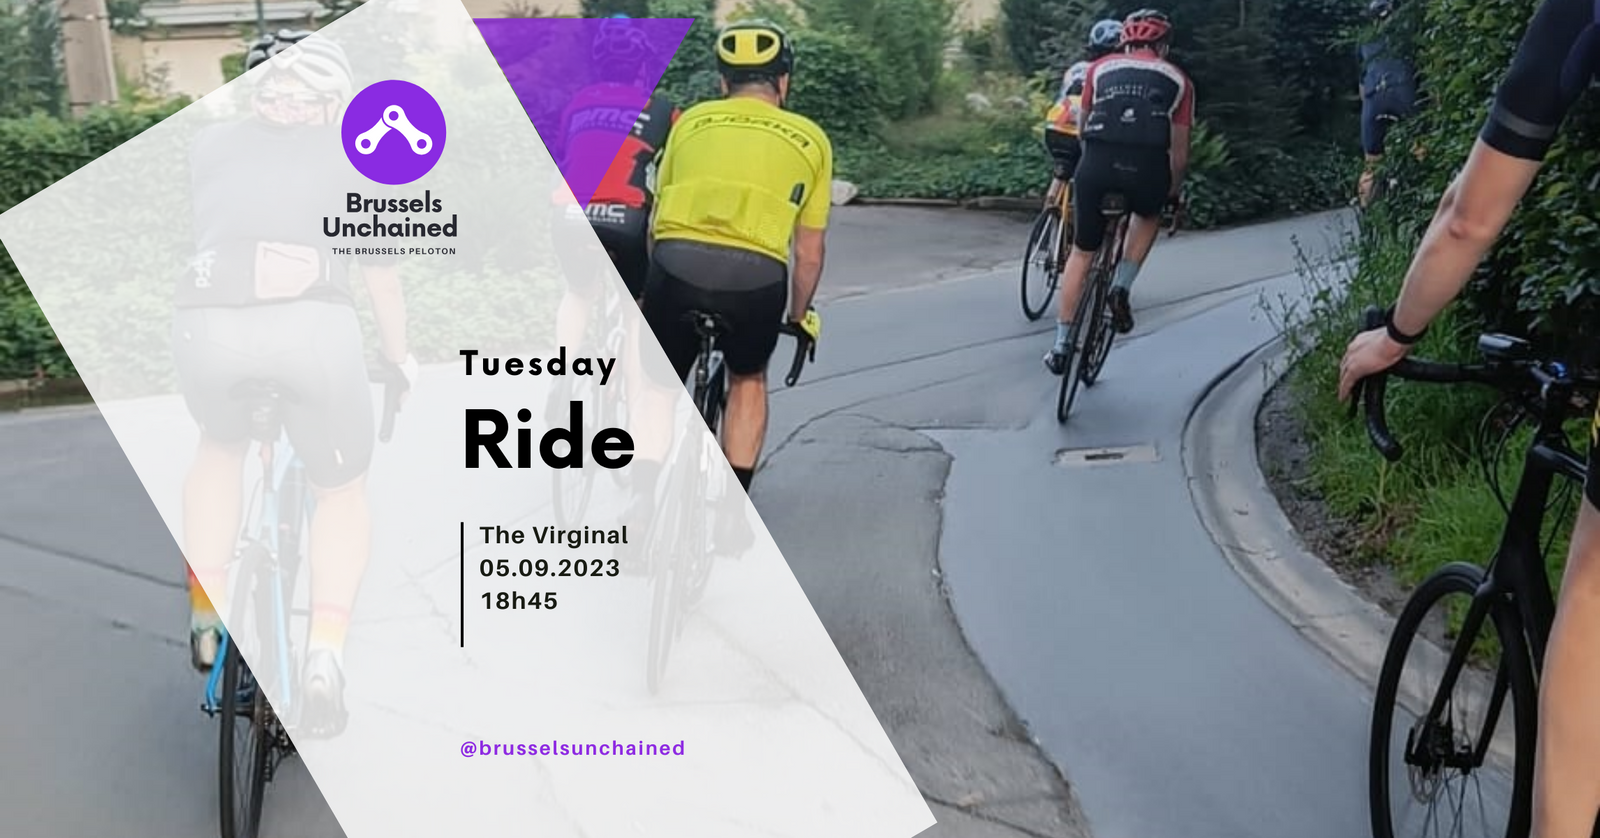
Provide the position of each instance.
(811, 324)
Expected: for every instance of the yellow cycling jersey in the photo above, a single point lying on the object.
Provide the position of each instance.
(740, 172)
(1063, 116)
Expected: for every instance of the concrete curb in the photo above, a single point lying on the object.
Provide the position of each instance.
(1238, 508)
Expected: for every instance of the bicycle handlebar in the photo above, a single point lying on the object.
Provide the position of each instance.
(395, 385)
(1501, 374)
(804, 349)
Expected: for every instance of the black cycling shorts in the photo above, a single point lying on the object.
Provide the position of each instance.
(313, 351)
(1143, 177)
(622, 230)
(1378, 112)
(1065, 151)
(750, 291)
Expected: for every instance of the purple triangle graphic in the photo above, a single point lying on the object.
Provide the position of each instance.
(560, 77)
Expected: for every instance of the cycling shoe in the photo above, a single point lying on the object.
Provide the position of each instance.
(1055, 362)
(324, 714)
(1121, 311)
(205, 639)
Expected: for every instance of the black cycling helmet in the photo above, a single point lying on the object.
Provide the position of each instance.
(753, 50)
(1105, 36)
(317, 61)
(1380, 9)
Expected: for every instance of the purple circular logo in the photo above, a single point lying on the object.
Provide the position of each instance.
(393, 132)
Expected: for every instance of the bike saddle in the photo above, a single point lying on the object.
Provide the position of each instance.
(708, 322)
(1504, 348)
(1114, 203)
(264, 397)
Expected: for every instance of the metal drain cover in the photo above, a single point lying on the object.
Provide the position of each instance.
(1107, 456)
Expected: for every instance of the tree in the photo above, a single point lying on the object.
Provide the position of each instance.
(31, 77)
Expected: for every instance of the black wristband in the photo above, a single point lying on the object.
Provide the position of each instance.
(1398, 336)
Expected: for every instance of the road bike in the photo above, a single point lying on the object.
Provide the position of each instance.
(681, 531)
(1048, 245)
(1091, 344)
(1470, 639)
(1086, 355)
(254, 733)
(572, 488)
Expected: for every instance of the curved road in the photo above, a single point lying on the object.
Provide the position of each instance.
(918, 457)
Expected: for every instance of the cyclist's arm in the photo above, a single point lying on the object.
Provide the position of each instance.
(810, 236)
(1182, 128)
(1546, 77)
(810, 249)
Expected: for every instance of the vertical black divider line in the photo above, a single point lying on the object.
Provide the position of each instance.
(463, 588)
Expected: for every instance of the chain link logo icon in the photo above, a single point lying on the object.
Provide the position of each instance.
(394, 117)
(398, 107)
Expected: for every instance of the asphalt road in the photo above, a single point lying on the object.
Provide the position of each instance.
(1136, 683)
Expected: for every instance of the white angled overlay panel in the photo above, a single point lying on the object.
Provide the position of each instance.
(755, 726)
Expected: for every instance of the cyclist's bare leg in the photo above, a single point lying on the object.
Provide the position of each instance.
(1566, 780)
(340, 542)
(1053, 194)
(212, 497)
(746, 427)
(1369, 173)
(1073, 274)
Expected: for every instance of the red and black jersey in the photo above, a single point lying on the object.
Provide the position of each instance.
(1134, 99)
(599, 113)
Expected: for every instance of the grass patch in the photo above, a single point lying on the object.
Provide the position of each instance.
(1438, 504)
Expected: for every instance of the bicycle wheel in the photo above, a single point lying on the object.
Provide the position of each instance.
(571, 488)
(1097, 345)
(666, 545)
(1090, 302)
(1477, 767)
(1041, 269)
(247, 729)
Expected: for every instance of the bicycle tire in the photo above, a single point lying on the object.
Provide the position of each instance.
(1514, 675)
(1090, 300)
(242, 818)
(1097, 345)
(572, 488)
(1045, 236)
(665, 545)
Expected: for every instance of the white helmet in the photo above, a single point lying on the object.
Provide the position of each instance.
(317, 61)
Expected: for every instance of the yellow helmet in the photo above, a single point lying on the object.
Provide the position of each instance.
(754, 48)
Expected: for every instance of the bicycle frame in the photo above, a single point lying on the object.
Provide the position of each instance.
(279, 465)
(1517, 568)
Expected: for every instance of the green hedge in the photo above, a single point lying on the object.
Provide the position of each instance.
(44, 150)
(1544, 275)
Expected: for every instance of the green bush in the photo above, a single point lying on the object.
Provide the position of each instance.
(232, 66)
(692, 75)
(907, 38)
(837, 83)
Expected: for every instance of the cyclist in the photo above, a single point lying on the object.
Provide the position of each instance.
(265, 299)
(1553, 65)
(1135, 133)
(1061, 125)
(619, 210)
(1388, 93)
(742, 181)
